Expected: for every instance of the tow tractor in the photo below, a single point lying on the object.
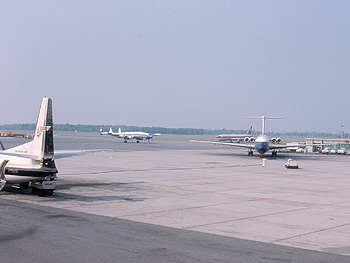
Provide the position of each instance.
(44, 187)
(291, 164)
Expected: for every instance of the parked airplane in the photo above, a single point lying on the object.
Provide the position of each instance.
(262, 144)
(247, 137)
(138, 136)
(34, 161)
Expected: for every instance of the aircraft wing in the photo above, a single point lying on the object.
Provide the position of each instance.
(60, 154)
(116, 134)
(278, 146)
(249, 146)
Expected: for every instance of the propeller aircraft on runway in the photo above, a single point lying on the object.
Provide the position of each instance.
(138, 136)
(262, 144)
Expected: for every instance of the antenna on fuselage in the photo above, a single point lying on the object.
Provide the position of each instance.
(263, 118)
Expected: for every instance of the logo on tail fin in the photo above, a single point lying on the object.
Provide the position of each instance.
(250, 130)
(41, 129)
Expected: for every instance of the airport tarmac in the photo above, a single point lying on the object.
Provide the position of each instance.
(177, 201)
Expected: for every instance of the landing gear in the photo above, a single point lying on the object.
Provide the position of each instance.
(44, 187)
(250, 153)
(125, 141)
(137, 141)
(274, 154)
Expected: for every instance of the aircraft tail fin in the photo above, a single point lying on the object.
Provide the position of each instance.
(119, 130)
(263, 118)
(42, 146)
(249, 132)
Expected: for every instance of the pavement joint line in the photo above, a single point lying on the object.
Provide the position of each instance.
(245, 218)
(309, 233)
(178, 209)
(197, 207)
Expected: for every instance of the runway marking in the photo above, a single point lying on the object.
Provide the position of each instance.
(163, 186)
(258, 198)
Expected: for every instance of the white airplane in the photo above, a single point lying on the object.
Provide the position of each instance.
(262, 144)
(247, 137)
(138, 136)
(34, 161)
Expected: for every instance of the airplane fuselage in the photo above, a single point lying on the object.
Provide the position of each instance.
(134, 135)
(138, 136)
(234, 137)
(231, 137)
(262, 144)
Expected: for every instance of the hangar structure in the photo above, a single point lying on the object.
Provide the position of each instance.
(334, 143)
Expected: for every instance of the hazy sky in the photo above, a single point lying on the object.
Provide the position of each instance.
(198, 64)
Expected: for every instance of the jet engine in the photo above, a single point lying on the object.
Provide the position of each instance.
(276, 140)
(249, 139)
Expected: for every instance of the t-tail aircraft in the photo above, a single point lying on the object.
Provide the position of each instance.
(247, 137)
(138, 136)
(33, 163)
(262, 144)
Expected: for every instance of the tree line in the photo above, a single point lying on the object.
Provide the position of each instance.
(184, 131)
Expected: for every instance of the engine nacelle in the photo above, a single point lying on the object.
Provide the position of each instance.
(275, 140)
(249, 139)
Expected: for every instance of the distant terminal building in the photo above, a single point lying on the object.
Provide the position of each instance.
(334, 143)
